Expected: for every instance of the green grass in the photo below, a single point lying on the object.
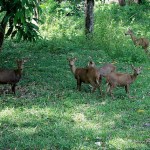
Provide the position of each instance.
(49, 113)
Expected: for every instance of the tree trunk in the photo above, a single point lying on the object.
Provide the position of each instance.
(122, 2)
(1, 39)
(138, 1)
(3, 25)
(89, 17)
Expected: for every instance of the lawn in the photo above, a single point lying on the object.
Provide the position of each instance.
(48, 112)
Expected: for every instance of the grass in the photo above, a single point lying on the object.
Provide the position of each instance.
(49, 113)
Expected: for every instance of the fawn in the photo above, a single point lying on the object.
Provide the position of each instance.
(122, 80)
(88, 75)
(10, 76)
(138, 41)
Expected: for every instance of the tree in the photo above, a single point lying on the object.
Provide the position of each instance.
(122, 2)
(18, 17)
(89, 17)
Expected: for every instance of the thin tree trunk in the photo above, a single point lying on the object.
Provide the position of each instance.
(138, 1)
(1, 39)
(122, 2)
(89, 17)
(3, 25)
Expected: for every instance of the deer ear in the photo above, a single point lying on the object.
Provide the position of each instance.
(25, 59)
(132, 66)
(68, 58)
(90, 62)
(17, 60)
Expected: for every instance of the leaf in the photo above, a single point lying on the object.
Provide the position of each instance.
(9, 31)
(13, 33)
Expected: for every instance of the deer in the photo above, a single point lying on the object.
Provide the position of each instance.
(143, 42)
(12, 76)
(122, 80)
(104, 70)
(89, 75)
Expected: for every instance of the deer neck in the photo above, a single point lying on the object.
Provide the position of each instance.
(18, 72)
(133, 77)
(134, 39)
(73, 68)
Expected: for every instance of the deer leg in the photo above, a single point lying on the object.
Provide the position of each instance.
(127, 91)
(94, 86)
(78, 84)
(13, 86)
(99, 84)
(110, 90)
(146, 51)
(100, 89)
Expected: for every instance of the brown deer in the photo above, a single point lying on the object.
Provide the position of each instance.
(10, 76)
(122, 80)
(88, 75)
(104, 70)
(143, 42)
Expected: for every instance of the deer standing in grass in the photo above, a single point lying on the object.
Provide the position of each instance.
(138, 41)
(10, 76)
(122, 80)
(104, 70)
(88, 75)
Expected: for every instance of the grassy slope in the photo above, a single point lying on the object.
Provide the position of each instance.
(48, 112)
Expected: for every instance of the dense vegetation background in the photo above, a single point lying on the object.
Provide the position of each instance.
(48, 112)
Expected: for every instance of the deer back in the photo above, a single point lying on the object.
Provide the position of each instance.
(106, 69)
(119, 79)
(8, 76)
(142, 42)
(81, 74)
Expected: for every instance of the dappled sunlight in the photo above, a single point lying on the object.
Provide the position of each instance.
(7, 113)
(26, 117)
(38, 111)
(79, 117)
(82, 122)
(25, 131)
(120, 143)
(62, 27)
(117, 116)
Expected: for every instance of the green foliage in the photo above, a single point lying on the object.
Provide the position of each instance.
(110, 24)
(19, 17)
(110, 28)
(52, 9)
